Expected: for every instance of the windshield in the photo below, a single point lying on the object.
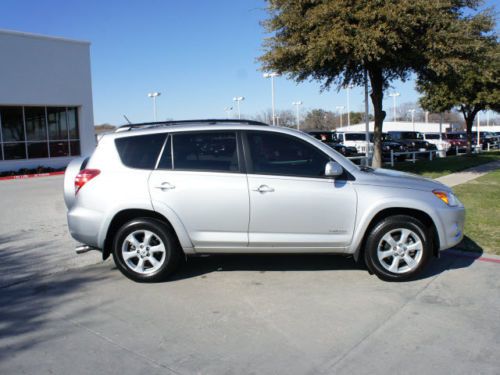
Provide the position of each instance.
(411, 135)
(355, 136)
(456, 136)
(432, 136)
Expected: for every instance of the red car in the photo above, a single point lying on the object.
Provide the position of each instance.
(458, 142)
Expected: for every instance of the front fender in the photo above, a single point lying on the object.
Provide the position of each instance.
(370, 210)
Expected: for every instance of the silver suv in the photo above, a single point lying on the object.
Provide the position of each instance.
(153, 194)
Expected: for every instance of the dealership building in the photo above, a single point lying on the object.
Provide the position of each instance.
(46, 116)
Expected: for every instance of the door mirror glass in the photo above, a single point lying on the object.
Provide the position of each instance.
(333, 169)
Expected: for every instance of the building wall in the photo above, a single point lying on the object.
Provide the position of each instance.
(52, 72)
(422, 127)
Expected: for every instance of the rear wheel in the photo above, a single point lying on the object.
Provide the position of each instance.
(146, 250)
(398, 248)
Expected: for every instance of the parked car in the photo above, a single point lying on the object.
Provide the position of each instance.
(486, 139)
(414, 141)
(153, 194)
(458, 142)
(389, 145)
(355, 139)
(438, 140)
(331, 140)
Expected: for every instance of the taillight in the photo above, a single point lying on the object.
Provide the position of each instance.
(85, 176)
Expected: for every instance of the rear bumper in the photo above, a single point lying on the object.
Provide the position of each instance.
(452, 221)
(84, 225)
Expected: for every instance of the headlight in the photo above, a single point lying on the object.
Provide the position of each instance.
(387, 148)
(447, 197)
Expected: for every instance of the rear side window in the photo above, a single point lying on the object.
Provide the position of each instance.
(279, 154)
(205, 151)
(140, 151)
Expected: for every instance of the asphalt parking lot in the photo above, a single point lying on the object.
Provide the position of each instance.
(62, 313)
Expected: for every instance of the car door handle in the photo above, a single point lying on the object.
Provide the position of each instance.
(165, 186)
(264, 189)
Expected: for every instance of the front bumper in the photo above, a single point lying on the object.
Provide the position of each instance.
(451, 231)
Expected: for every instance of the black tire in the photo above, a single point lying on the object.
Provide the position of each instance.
(162, 235)
(391, 225)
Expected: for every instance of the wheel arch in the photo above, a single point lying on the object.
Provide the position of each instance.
(126, 215)
(420, 215)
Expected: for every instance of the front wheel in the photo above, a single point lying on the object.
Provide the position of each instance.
(398, 248)
(146, 250)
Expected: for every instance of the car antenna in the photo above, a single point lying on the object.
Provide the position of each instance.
(126, 118)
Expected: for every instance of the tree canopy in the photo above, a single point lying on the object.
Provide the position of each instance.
(472, 83)
(337, 41)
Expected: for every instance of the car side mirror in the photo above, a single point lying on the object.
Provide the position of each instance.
(333, 169)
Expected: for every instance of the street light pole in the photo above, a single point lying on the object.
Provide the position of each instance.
(412, 111)
(394, 95)
(340, 108)
(154, 95)
(272, 75)
(348, 88)
(238, 99)
(297, 104)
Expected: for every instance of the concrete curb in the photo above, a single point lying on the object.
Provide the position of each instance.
(26, 176)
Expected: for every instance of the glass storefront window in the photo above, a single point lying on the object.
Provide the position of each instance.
(14, 151)
(37, 150)
(73, 123)
(24, 130)
(58, 149)
(12, 124)
(36, 128)
(58, 125)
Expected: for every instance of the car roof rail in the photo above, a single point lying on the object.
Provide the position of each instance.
(157, 124)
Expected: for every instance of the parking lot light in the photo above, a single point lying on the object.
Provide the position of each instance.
(272, 75)
(340, 109)
(154, 95)
(394, 95)
(238, 99)
(297, 104)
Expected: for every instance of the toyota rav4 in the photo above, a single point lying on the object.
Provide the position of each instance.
(152, 194)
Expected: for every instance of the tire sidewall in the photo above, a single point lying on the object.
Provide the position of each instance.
(387, 225)
(159, 230)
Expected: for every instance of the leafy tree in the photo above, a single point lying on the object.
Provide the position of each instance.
(338, 41)
(472, 83)
(286, 118)
(319, 119)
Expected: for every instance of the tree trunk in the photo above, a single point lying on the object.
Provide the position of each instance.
(469, 116)
(469, 121)
(377, 96)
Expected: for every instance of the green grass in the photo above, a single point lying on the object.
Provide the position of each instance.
(481, 198)
(443, 166)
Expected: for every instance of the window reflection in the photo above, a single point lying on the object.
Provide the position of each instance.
(58, 126)
(12, 124)
(36, 128)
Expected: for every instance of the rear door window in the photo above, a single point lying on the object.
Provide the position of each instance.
(206, 151)
(140, 151)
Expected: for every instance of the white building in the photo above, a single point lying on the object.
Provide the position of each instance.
(46, 115)
(421, 127)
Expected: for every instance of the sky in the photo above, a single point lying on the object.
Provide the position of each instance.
(197, 54)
